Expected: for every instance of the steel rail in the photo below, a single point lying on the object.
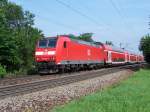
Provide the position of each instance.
(19, 89)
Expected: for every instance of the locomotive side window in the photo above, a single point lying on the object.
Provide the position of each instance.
(65, 44)
(52, 42)
(43, 43)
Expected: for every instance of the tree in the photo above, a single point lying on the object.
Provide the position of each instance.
(145, 47)
(86, 37)
(73, 36)
(17, 36)
(109, 43)
(3, 2)
(8, 49)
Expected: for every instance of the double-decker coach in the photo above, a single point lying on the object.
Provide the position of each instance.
(114, 55)
(133, 58)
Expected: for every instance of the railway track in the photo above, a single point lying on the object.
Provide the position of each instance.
(24, 88)
(24, 79)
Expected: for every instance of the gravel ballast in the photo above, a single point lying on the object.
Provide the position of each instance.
(44, 100)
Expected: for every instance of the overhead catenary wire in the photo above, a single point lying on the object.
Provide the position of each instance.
(58, 23)
(120, 13)
(107, 24)
(90, 11)
(116, 8)
(79, 12)
(124, 16)
(121, 9)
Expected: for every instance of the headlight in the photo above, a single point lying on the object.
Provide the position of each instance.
(39, 53)
(51, 52)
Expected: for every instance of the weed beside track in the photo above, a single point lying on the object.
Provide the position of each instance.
(132, 95)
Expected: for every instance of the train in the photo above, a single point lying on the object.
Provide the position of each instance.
(63, 53)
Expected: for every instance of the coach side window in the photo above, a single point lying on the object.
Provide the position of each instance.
(65, 44)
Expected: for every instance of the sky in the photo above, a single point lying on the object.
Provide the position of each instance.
(119, 21)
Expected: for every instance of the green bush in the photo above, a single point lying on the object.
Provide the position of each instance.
(2, 71)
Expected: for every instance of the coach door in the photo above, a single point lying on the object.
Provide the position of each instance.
(109, 57)
(65, 50)
(129, 58)
(126, 57)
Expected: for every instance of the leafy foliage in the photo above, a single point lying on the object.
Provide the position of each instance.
(73, 36)
(85, 37)
(2, 71)
(109, 43)
(17, 37)
(145, 47)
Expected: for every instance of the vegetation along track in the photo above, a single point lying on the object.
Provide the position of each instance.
(18, 89)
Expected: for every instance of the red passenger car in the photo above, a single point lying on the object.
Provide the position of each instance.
(133, 58)
(115, 55)
(140, 58)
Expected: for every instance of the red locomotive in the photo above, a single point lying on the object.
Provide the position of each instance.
(64, 53)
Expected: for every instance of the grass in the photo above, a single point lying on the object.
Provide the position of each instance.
(132, 95)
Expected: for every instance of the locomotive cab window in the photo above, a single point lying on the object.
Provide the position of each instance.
(65, 44)
(52, 42)
(43, 43)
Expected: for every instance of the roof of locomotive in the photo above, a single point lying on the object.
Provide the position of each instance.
(75, 40)
(80, 41)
